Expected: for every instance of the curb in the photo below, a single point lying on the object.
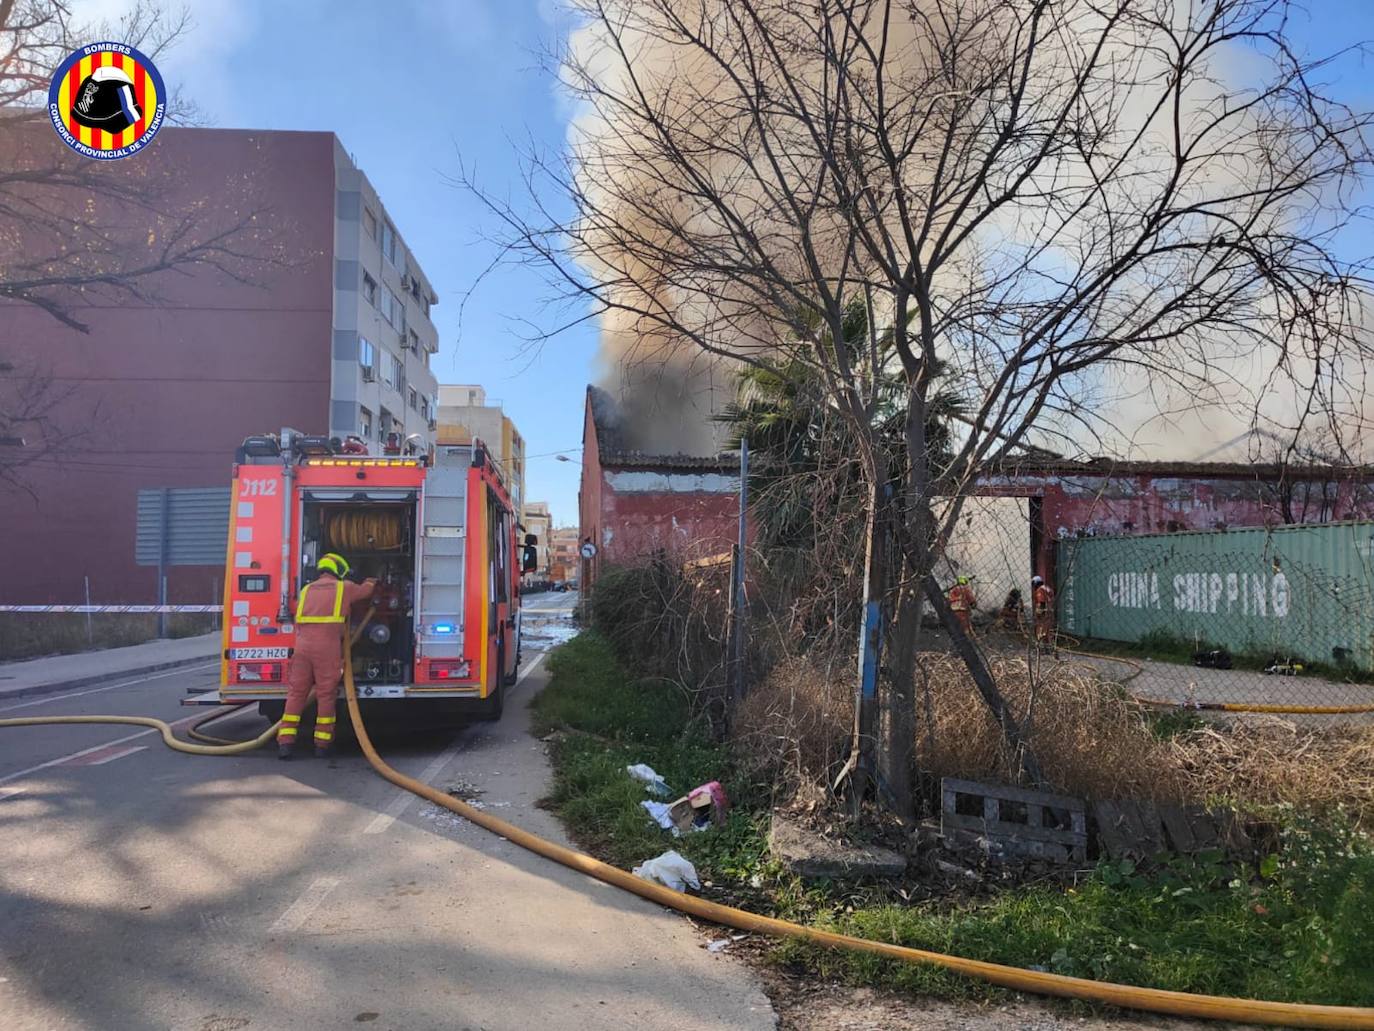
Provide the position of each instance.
(61, 685)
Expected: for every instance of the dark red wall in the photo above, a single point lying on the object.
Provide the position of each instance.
(1161, 499)
(161, 390)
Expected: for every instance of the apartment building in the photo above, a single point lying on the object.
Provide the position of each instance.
(330, 330)
(464, 414)
(384, 340)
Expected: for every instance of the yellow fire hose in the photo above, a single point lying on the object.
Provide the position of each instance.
(1155, 1000)
(165, 728)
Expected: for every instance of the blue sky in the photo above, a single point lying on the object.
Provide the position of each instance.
(408, 86)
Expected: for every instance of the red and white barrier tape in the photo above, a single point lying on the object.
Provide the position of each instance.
(111, 608)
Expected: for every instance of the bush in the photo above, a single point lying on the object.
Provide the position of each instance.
(669, 623)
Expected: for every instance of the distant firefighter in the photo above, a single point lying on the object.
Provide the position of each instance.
(962, 601)
(1042, 596)
(1013, 611)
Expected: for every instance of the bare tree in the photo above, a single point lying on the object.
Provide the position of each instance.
(76, 232)
(1051, 201)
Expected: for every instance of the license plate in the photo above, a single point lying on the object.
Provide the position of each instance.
(259, 653)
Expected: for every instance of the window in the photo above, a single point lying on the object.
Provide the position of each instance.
(367, 358)
(365, 423)
(388, 242)
(389, 364)
(424, 408)
(384, 425)
(370, 289)
(370, 223)
(414, 399)
(413, 341)
(393, 311)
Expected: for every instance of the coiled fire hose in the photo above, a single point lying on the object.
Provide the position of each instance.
(1155, 1000)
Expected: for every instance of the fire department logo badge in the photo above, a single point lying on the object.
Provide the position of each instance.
(107, 101)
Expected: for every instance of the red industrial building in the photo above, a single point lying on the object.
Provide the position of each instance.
(635, 505)
(1105, 497)
(163, 385)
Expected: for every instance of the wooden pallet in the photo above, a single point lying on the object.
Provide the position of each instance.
(1017, 821)
(1141, 830)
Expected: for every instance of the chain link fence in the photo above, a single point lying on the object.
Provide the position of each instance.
(1254, 619)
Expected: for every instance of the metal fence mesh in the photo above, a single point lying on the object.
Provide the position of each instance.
(1260, 617)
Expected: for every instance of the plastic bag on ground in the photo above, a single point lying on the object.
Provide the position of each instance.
(670, 870)
(653, 783)
(658, 812)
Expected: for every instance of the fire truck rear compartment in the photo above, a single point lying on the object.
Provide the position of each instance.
(378, 540)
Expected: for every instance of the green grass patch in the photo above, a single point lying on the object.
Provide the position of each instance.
(1298, 927)
(1303, 933)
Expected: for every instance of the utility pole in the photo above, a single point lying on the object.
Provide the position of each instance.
(738, 604)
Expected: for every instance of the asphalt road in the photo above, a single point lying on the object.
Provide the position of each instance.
(143, 888)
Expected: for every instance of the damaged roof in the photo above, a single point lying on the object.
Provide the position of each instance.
(612, 450)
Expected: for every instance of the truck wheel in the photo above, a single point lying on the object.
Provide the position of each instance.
(490, 707)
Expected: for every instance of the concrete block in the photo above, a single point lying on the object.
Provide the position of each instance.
(807, 854)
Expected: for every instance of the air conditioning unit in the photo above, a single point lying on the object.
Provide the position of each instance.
(369, 374)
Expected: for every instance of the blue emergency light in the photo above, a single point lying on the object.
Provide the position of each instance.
(444, 628)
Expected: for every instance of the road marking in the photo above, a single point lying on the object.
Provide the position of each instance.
(108, 687)
(529, 669)
(304, 907)
(389, 815)
(62, 760)
(10, 792)
(104, 756)
(383, 820)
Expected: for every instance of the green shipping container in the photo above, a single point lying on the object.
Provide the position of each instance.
(1295, 592)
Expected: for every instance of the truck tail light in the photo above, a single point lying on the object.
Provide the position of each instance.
(448, 669)
(259, 672)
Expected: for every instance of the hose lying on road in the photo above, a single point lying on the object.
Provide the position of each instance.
(1155, 1000)
(168, 738)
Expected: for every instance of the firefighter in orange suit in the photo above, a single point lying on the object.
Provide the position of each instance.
(1042, 597)
(321, 622)
(962, 602)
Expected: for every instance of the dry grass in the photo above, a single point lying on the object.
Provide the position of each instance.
(1091, 740)
(1268, 761)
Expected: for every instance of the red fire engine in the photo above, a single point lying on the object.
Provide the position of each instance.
(438, 535)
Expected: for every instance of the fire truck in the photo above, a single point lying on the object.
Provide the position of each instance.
(438, 534)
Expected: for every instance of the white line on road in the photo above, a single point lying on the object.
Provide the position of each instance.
(389, 815)
(112, 757)
(108, 687)
(304, 907)
(383, 820)
(530, 668)
(10, 792)
(95, 748)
